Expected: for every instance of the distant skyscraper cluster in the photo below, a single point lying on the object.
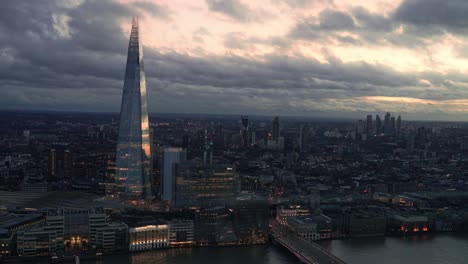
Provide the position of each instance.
(391, 126)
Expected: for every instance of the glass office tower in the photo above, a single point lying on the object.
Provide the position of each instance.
(133, 157)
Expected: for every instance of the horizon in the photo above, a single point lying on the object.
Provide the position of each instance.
(238, 115)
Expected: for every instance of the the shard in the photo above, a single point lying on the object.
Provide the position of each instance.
(133, 156)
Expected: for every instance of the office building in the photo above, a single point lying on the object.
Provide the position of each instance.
(251, 214)
(276, 129)
(111, 237)
(133, 156)
(311, 227)
(392, 125)
(38, 242)
(52, 162)
(398, 125)
(361, 223)
(245, 131)
(378, 125)
(217, 184)
(286, 211)
(386, 126)
(67, 163)
(169, 158)
(369, 126)
(181, 232)
(214, 226)
(147, 236)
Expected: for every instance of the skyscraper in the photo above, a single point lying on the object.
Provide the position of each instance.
(170, 157)
(212, 185)
(392, 125)
(378, 125)
(133, 157)
(398, 125)
(387, 123)
(369, 124)
(52, 162)
(245, 131)
(67, 162)
(276, 129)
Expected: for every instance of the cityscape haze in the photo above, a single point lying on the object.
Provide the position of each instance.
(283, 131)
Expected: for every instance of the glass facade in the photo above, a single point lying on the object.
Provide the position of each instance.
(133, 157)
(212, 185)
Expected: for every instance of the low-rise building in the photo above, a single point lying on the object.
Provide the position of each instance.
(111, 238)
(181, 232)
(147, 236)
(38, 242)
(284, 212)
(409, 224)
(312, 227)
(361, 223)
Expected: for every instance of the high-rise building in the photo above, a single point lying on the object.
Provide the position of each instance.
(369, 124)
(398, 125)
(216, 184)
(133, 157)
(52, 162)
(251, 214)
(253, 138)
(305, 134)
(276, 129)
(170, 157)
(392, 125)
(67, 162)
(214, 225)
(387, 123)
(245, 131)
(360, 128)
(378, 125)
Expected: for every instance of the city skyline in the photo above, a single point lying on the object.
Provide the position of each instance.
(283, 131)
(278, 57)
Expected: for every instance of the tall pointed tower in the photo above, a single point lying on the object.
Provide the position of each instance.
(133, 157)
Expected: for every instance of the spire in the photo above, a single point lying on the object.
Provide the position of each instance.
(133, 158)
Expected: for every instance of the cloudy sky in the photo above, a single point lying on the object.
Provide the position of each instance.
(285, 57)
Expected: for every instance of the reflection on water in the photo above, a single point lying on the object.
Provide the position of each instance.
(263, 254)
(427, 249)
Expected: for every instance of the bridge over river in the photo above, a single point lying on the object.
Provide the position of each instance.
(307, 251)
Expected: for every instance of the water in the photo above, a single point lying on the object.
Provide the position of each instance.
(427, 249)
(439, 249)
(260, 254)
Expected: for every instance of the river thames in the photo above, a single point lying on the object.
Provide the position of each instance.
(428, 249)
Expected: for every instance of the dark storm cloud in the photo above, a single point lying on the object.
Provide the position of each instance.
(335, 20)
(328, 21)
(372, 22)
(448, 14)
(274, 72)
(95, 45)
(368, 27)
